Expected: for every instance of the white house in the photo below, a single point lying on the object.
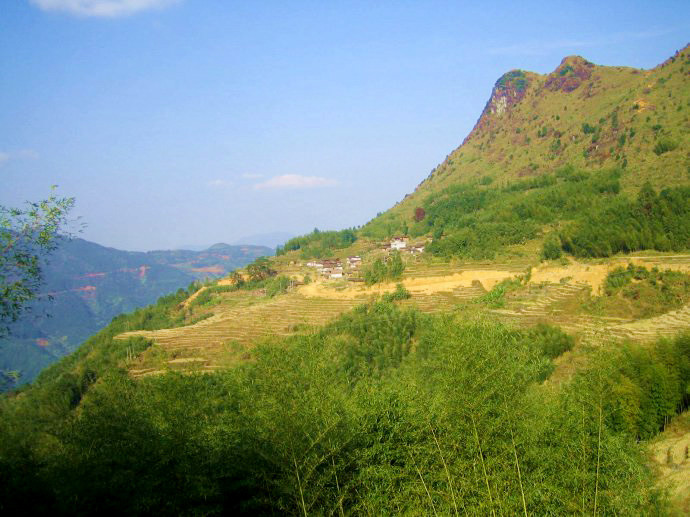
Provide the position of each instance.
(399, 243)
(354, 262)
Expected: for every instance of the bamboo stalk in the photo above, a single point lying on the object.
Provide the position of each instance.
(596, 484)
(517, 464)
(337, 485)
(481, 457)
(423, 483)
(584, 461)
(445, 466)
(299, 485)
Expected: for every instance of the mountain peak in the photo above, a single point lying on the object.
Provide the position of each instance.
(570, 74)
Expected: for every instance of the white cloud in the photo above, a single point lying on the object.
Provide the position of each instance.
(296, 181)
(540, 48)
(252, 176)
(219, 183)
(104, 8)
(21, 154)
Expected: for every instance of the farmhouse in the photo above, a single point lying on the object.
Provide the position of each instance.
(354, 262)
(399, 243)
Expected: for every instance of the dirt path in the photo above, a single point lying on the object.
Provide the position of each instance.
(222, 281)
(420, 285)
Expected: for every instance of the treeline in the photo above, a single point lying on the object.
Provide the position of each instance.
(384, 411)
(318, 244)
(652, 221)
(478, 220)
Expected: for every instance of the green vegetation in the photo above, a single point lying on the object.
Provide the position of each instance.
(638, 292)
(277, 285)
(515, 78)
(495, 298)
(477, 221)
(652, 221)
(550, 340)
(27, 236)
(318, 244)
(664, 145)
(380, 271)
(592, 127)
(400, 293)
(641, 388)
(209, 296)
(383, 411)
(551, 249)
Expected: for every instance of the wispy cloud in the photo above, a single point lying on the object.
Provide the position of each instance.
(295, 181)
(540, 48)
(219, 183)
(103, 8)
(21, 154)
(252, 175)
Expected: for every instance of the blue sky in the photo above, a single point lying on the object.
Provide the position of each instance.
(197, 121)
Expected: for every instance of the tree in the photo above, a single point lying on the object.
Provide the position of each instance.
(27, 236)
(237, 278)
(260, 269)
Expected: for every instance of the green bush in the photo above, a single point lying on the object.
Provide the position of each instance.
(384, 411)
(549, 340)
(664, 145)
(381, 271)
(400, 293)
(551, 249)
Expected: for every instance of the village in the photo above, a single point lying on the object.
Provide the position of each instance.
(350, 268)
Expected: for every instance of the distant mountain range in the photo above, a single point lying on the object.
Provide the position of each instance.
(90, 284)
(271, 240)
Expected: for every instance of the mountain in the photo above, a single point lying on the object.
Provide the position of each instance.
(581, 115)
(529, 354)
(272, 239)
(589, 160)
(90, 284)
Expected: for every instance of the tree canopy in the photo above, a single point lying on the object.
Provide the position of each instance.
(27, 236)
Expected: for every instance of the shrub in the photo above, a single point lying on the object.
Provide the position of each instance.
(400, 293)
(664, 145)
(549, 340)
(551, 249)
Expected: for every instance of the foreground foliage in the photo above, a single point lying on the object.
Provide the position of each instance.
(383, 411)
(27, 236)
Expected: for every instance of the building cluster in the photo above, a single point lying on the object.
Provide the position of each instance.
(333, 267)
(403, 244)
(337, 268)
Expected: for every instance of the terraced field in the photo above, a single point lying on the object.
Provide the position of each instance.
(243, 319)
(206, 344)
(421, 270)
(650, 329)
